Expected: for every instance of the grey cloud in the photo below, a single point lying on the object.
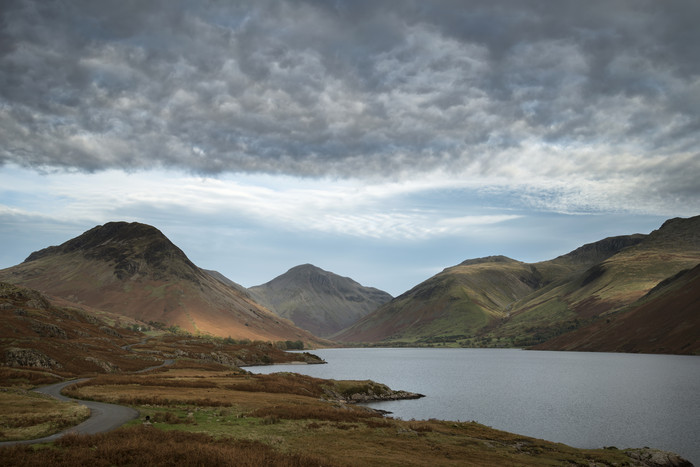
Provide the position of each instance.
(343, 88)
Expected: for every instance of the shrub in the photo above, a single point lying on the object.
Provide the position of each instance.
(315, 412)
(172, 419)
(285, 383)
(271, 419)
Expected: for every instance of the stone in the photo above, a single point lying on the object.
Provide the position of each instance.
(29, 357)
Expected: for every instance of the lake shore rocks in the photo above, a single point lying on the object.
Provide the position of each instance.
(359, 398)
(647, 457)
(367, 391)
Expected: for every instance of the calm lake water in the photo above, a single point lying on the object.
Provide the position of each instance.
(586, 400)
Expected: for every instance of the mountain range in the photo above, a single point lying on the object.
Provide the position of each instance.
(632, 293)
(611, 288)
(134, 270)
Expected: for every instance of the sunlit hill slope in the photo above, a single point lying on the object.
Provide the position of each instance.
(497, 301)
(132, 269)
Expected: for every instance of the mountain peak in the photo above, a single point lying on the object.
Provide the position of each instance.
(317, 300)
(592, 253)
(680, 223)
(488, 259)
(679, 232)
(133, 248)
(305, 268)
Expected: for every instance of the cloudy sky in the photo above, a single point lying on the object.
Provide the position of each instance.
(380, 140)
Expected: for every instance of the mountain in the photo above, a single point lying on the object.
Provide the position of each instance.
(134, 270)
(497, 301)
(221, 278)
(451, 305)
(665, 320)
(606, 287)
(41, 342)
(316, 300)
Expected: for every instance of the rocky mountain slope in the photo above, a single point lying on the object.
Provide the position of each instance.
(36, 334)
(41, 340)
(132, 269)
(497, 301)
(316, 300)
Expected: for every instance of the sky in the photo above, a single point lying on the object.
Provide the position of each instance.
(379, 140)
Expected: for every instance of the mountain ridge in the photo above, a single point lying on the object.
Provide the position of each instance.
(498, 301)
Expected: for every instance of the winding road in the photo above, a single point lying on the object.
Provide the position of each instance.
(103, 416)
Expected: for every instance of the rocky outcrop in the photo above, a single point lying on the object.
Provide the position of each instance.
(48, 330)
(220, 358)
(29, 357)
(312, 359)
(392, 395)
(107, 367)
(110, 331)
(647, 457)
(13, 296)
(367, 391)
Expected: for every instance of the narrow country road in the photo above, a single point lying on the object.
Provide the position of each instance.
(103, 416)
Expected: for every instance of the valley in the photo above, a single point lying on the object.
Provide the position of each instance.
(134, 271)
(125, 308)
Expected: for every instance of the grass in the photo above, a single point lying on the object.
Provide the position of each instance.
(215, 440)
(30, 415)
(200, 416)
(23, 378)
(144, 446)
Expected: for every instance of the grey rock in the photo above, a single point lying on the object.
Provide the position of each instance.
(648, 457)
(29, 357)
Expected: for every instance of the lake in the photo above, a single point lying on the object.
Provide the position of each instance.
(586, 400)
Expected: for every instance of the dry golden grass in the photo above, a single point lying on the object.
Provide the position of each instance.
(283, 383)
(24, 378)
(327, 412)
(29, 415)
(287, 416)
(149, 446)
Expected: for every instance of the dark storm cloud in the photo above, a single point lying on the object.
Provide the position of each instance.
(349, 88)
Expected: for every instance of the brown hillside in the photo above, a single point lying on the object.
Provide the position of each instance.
(132, 269)
(64, 341)
(667, 320)
(41, 343)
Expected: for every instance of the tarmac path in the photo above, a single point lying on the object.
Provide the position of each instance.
(103, 416)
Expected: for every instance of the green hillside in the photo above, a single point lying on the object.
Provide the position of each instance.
(497, 301)
(458, 302)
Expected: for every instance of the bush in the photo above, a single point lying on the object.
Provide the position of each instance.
(316, 412)
(172, 419)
